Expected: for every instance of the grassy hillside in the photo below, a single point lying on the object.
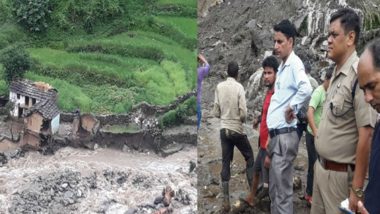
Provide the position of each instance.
(130, 52)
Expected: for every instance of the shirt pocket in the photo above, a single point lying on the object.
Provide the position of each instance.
(341, 104)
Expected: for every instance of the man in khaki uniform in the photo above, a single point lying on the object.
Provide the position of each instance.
(343, 137)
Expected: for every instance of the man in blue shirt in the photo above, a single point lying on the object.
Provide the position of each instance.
(202, 70)
(369, 82)
(292, 89)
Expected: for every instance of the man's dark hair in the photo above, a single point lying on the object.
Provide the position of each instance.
(374, 49)
(287, 28)
(233, 69)
(349, 20)
(271, 62)
(329, 72)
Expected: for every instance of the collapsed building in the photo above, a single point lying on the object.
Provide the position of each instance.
(35, 104)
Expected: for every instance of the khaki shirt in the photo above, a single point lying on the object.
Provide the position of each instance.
(230, 105)
(338, 135)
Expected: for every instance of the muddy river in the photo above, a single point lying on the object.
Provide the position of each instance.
(100, 181)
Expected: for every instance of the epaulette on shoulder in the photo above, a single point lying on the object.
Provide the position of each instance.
(355, 66)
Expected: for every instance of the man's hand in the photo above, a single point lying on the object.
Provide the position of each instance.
(202, 59)
(314, 132)
(289, 115)
(353, 201)
(361, 208)
(267, 162)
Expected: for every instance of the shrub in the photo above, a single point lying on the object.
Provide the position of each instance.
(16, 61)
(33, 15)
(3, 88)
(68, 13)
(172, 33)
(4, 11)
(176, 10)
(126, 51)
(176, 116)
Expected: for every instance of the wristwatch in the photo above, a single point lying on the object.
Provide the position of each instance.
(358, 192)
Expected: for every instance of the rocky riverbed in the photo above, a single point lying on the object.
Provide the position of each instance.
(100, 181)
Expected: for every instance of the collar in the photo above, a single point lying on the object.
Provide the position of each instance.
(231, 79)
(288, 60)
(345, 69)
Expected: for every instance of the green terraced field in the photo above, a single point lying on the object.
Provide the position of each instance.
(153, 61)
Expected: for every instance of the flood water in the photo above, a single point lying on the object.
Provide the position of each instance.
(100, 181)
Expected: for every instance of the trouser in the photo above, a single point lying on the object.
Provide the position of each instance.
(283, 150)
(329, 190)
(301, 127)
(199, 115)
(259, 166)
(312, 157)
(229, 141)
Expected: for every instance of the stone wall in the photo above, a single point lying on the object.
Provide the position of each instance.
(103, 119)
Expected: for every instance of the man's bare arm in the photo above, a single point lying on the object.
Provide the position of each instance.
(311, 120)
(361, 163)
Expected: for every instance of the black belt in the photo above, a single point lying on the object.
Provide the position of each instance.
(274, 132)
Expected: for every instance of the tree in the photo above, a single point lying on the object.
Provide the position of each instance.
(16, 61)
(33, 15)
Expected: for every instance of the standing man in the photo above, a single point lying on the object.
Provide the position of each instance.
(347, 122)
(292, 88)
(230, 107)
(369, 82)
(270, 66)
(314, 117)
(203, 69)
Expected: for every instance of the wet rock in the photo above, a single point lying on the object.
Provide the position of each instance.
(193, 165)
(297, 183)
(171, 149)
(14, 154)
(158, 200)
(116, 177)
(92, 181)
(214, 181)
(64, 185)
(299, 168)
(49, 145)
(141, 181)
(116, 208)
(79, 193)
(131, 211)
(166, 210)
(121, 179)
(42, 194)
(183, 134)
(126, 148)
(183, 197)
(3, 159)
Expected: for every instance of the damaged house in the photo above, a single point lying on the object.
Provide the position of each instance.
(36, 103)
